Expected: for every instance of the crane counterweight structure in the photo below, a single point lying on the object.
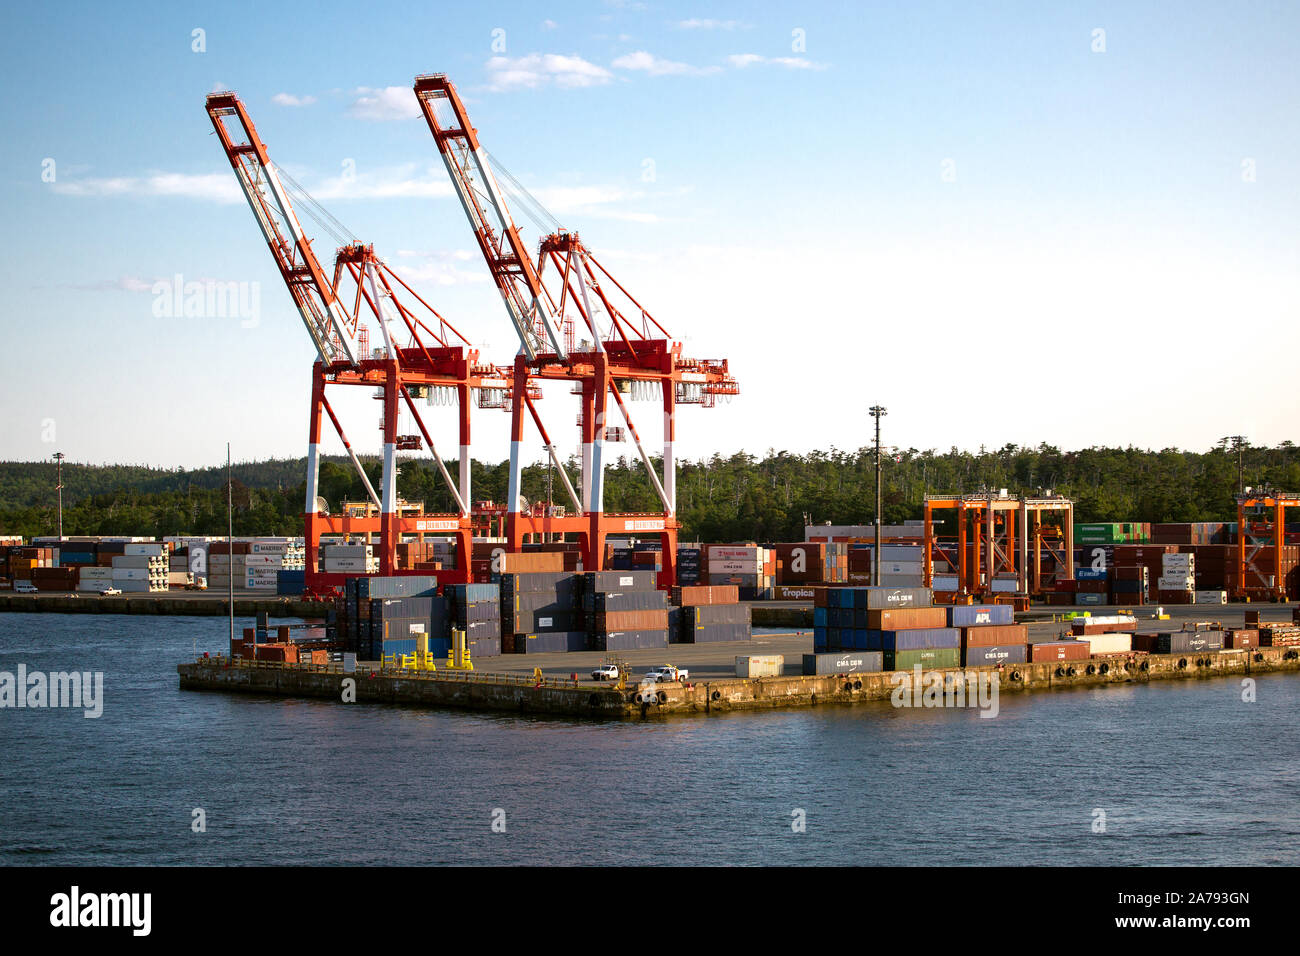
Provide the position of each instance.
(421, 354)
(628, 350)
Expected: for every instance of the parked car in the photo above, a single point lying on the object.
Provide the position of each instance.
(25, 587)
(605, 672)
(108, 592)
(667, 672)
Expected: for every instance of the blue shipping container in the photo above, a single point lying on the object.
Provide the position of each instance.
(978, 615)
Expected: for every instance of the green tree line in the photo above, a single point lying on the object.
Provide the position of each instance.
(740, 497)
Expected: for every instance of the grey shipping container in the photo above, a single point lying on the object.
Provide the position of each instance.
(1188, 642)
(716, 633)
(984, 656)
(844, 662)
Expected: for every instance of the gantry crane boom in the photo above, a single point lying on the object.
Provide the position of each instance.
(332, 330)
(508, 260)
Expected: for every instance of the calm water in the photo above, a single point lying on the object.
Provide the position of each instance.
(1186, 772)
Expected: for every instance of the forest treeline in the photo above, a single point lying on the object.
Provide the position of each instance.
(740, 497)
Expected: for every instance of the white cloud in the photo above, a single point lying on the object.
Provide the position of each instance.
(218, 87)
(592, 202)
(440, 267)
(742, 60)
(538, 69)
(289, 99)
(549, 24)
(213, 187)
(122, 283)
(706, 24)
(406, 181)
(657, 66)
(381, 105)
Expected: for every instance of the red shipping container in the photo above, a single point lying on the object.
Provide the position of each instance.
(1145, 642)
(703, 595)
(904, 618)
(994, 635)
(1051, 651)
(1241, 639)
(633, 620)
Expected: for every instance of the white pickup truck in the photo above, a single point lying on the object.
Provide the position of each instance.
(666, 673)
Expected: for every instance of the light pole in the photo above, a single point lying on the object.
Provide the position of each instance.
(58, 464)
(1237, 443)
(877, 412)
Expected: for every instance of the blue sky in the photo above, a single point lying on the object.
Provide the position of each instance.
(969, 215)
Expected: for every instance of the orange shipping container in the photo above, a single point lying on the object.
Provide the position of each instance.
(634, 620)
(900, 619)
(700, 595)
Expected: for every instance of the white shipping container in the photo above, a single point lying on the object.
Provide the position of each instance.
(270, 547)
(901, 552)
(131, 574)
(1111, 643)
(734, 566)
(131, 561)
(734, 553)
(262, 560)
(132, 586)
(945, 582)
(91, 573)
(178, 579)
(770, 665)
(1179, 583)
(902, 567)
(1178, 562)
(346, 564)
(157, 549)
(1005, 586)
(1211, 597)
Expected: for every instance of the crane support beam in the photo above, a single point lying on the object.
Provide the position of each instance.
(321, 311)
(498, 238)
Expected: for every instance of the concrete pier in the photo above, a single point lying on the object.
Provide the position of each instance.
(513, 693)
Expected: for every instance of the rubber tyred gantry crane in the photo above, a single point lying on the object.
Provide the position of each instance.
(420, 355)
(627, 351)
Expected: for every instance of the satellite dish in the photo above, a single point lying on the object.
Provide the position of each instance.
(322, 506)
